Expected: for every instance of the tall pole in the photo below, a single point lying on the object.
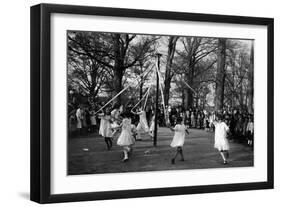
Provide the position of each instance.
(141, 80)
(156, 102)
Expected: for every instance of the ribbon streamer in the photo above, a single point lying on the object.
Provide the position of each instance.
(161, 89)
(144, 96)
(113, 98)
(189, 87)
(122, 91)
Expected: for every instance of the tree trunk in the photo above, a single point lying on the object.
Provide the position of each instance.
(118, 75)
(183, 99)
(168, 78)
(251, 82)
(118, 68)
(220, 78)
(241, 97)
(190, 82)
(190, 99)
(188, 103)
(185, 103)
(197, 102)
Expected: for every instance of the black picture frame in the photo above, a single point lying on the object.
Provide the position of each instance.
(40, 102)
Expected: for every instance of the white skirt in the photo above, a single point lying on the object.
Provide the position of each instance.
(93, 120)
(152, 126)
(178, 141)
(79, 124)
(105, 129)
(114, 125)
(221, 144)
(125, 139)
(142, 125)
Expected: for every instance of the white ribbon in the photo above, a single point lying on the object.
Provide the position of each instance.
(122, 91)
(161, 89)
(144, 96)
(189, 87)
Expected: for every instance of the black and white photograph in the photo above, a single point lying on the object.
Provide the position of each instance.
(140, 103)
(152, 102)
(131, 103)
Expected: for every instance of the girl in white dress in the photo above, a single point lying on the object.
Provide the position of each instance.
(93, 120)
(134, 131)
(221, 142)
(193, 120)
(79, 118)
(178, 140)
(250, 131)
(105, 128)
(142, 125)
(152, 126)
(126, 139)
(116, 118)
(167, 120)
(212, 118)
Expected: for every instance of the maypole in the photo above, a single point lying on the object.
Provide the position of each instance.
(161, 90)
(156, 102)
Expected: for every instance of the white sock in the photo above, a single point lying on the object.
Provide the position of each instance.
(223, 157)
(125, 154)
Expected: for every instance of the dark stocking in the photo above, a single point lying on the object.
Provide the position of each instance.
(106, 140)
(110, 142)
(180, 151)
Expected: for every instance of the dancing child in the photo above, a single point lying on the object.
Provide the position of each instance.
(221, 142)
(179, 138)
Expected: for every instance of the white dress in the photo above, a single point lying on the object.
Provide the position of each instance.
(143, 122)
(250, 127)
(152, 123)
(105, 126)
(115, 115)
(179, 137)
(101, 123)
(79, 117)
(221, 142)
(152, 126)
(93, 118)
(126, 137)
(167, 120)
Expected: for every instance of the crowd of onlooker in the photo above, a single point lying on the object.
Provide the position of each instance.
(83, 119)
(240, 122)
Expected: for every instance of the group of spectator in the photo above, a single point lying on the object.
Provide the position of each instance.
(83, 119)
